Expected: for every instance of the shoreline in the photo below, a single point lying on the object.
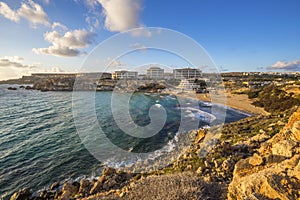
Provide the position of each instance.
(239, 102)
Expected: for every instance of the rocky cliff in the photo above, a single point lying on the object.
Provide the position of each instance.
(273, 172)
(254, 158)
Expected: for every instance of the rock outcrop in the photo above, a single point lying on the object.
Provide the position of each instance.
(23, 194)
(273, 172)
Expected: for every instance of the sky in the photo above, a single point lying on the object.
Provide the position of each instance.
(70, 35)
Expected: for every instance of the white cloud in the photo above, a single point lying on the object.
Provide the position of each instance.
(13, 58)
(283, 65)
(5, 62)
(93, 22)
(121, 15)
(57, 25)
(57, 51)
(72, 39)
(13, 67)
(91, 3)
(29, 10)
(66, 45)
(8, 13)
(138, 46)
(34, 13)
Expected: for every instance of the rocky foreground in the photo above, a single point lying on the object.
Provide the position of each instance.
(254, 158)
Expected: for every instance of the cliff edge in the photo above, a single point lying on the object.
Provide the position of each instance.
(273, 172)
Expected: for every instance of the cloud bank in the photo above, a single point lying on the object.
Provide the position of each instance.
(121, 15)
(8, 13)
(29, 10)
(285, 66)
(6, 62)
(67, 44)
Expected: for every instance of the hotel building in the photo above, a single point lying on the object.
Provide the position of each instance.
(124, 74)
(187, 73)
(155, 73)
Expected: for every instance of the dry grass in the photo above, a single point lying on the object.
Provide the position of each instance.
(181, 186)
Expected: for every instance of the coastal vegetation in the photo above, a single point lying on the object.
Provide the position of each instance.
(273, 98)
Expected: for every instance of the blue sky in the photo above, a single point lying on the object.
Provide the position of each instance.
(58, 35)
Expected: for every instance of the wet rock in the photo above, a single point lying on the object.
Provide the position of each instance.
(28, 88)
(54, 186)
(108, 171)
(47, 194)
(12, 88)
(23, 194)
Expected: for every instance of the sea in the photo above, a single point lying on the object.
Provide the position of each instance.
(41, 144)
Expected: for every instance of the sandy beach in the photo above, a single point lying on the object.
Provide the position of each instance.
(236, 101)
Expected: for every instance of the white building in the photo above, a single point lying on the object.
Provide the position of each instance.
(168, 76)
(124, 74)
(188, 84)
(187, 73)
(155, 73)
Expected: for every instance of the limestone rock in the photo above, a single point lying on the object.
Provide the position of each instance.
(23, 194)
(296, 131)
(228, 164)
(284, 148)
(199, 170)
(98, 187)
(85, 186)
(256, 160)
(69, 189)
(200, 135)
(275, 177)
(108, 171)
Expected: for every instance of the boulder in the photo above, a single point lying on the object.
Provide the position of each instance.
(200, 135)
(97, 187)
(296, 131)
(256, 160)
(23, 194)
(108, 171)
(69, 189)
(284, 148)
(275, 177)
(85, 186)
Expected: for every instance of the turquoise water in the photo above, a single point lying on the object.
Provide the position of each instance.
(39, 143)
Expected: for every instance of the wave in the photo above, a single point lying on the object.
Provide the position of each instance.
(199, 114)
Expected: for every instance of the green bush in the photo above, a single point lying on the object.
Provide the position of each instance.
(273, 99)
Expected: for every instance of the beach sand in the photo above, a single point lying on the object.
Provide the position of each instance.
(236, 101)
